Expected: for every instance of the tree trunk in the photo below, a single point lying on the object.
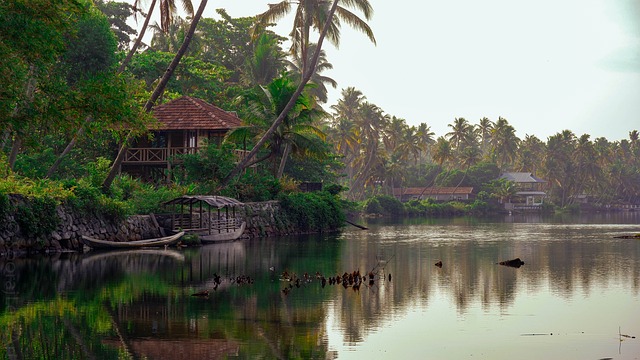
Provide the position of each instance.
(283, 160)
(29, 93)
(305, 79)
(115, 168)
(136, 44)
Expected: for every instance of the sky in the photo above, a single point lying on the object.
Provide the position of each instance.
(545, 65)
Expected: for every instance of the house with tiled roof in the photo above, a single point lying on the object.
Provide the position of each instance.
(530, 191)
(435, 193)
(183, 126)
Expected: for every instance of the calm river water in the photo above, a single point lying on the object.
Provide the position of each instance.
(576, 297)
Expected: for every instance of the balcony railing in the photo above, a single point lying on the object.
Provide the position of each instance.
(160, 156)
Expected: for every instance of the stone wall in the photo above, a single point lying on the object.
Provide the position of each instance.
(264, 219)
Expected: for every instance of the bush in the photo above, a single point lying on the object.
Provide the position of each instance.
(317, 211)
(372, 206)
(38, 217)
(384, 204)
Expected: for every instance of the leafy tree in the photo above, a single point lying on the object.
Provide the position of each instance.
(118, 13)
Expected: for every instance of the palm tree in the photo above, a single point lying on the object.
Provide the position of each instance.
(313, 14)
(265, 62)
(321, 81)
(167, 12)
(483, 132)
(588, 173)
(348, 106)
(426, 139)
(504, 143)
(442, 151)
(459, 134)
(295, 134)
(530, 154)
(305, 78)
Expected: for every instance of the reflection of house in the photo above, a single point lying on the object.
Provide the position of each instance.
(435, 193)
(182, 128)
(530, 191)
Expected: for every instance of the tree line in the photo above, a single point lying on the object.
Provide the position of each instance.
(77, 78)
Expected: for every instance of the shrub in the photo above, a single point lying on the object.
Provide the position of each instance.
(384, 204)
(372, 206)
(316, 211)
(38, 217)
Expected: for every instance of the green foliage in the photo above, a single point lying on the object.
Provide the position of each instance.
(91, 48)
(210, 165)
(372, 206)
(252, 186)
(37, 217)
(143, 198)
(384, 204)
(87, 198)
(317, 211)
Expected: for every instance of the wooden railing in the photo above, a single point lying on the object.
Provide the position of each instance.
(162, 155)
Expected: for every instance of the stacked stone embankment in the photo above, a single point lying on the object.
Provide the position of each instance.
(264, 219)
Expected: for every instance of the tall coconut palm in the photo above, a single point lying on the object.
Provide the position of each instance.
(483, 132)
(348, 105)
(295, 134)
(313, 14)
(442, 152)
(266, 61)
(303, 82)
(321, 81)
(426, 138)
(588, 173)
(504, 143)
(459, 134)
(530, 154)
(168, 11)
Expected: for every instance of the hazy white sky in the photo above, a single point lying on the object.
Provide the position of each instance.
(545, 66)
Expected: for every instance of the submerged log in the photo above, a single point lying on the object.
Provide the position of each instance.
(512, 263)
(636, 236)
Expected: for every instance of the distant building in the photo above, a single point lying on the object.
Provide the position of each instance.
(530, 194)
(435, 193)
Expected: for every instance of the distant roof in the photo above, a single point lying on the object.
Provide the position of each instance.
(187, 113)
(522, 177)
(433, 191)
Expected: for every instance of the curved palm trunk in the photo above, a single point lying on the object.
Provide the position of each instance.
(115, 168)
(283, 160)
(305, 79)
(136, 45)
(88, 119)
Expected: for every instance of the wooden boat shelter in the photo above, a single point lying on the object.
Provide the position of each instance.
(206, 215)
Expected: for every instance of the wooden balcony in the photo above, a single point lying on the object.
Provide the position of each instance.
(160, 156)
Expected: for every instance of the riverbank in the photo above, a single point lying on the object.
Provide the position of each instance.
(37, 226)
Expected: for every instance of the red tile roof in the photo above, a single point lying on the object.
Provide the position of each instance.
(432, 191)
(187, 113)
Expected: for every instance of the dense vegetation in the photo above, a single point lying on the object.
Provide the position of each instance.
(69, 99)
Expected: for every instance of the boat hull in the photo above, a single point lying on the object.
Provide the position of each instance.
(156, 242)
(223, 236)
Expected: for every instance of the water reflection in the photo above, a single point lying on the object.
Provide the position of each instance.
(577, 282)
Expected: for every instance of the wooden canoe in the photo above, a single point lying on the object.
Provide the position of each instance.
(156, 242)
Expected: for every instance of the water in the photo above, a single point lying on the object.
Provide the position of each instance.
(576, 295)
